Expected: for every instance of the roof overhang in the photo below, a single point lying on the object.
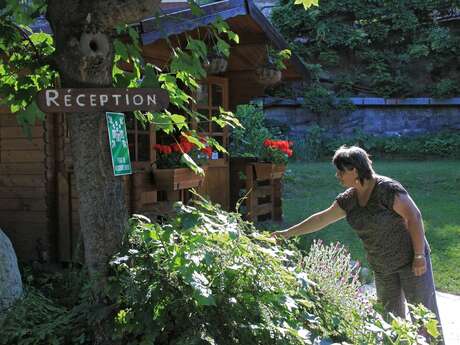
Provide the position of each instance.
(177, 23)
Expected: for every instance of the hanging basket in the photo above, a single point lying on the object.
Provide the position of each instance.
(176, 179)
(268, 75)
(215, 64)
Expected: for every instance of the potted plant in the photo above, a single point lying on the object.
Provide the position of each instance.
(270, 73)
(273, 159)
(215, 63)
(170, 169)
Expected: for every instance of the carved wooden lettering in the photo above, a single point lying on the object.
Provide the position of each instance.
(119, 100)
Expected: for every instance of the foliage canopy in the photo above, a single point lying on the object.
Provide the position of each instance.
(387, 48)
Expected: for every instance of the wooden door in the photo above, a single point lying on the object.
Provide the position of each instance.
(213, 93)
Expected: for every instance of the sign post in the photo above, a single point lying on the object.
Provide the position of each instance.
(118, 141)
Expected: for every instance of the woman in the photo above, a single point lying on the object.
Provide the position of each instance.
(390, 226)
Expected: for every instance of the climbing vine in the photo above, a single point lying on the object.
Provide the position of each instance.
(390, 48)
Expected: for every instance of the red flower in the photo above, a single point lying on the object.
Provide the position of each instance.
(281, 145)
(175, 147)
(207, 150)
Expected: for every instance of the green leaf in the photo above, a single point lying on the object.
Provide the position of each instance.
(223, 47)
(163, 121)
(432, 328)
(121, 49)
(214, 143)
(180, 121)
(194, 140)
(306, 3)
(220, 25)
(150, 77)
(233, 36)
(195, 8)
(189, 162)
(41, 37)
(198, 47)
(202, 293)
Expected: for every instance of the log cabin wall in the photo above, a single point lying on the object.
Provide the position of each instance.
(26, 178)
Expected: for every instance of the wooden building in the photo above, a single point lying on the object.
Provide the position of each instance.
(38, 198)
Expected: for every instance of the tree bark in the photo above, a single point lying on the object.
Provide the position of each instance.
(83, 34)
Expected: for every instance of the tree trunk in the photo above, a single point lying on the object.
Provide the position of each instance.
(103, 214)
(83, 33)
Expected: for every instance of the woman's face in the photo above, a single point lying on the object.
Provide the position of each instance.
(347, 178)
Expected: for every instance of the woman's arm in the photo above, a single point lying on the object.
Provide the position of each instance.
(406, 208)
(314, 223)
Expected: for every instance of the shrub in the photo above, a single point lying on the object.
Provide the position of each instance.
(207, 277)
(247, 141)
(317, 144)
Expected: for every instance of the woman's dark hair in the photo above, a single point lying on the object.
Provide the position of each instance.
(353, 157)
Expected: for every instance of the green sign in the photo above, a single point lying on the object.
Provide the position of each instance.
(118, 140)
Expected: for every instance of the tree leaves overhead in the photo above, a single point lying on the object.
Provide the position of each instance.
(27, 69)
(24, 69)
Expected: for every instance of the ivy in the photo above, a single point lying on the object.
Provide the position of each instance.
(388, 48)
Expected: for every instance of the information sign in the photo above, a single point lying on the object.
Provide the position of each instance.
(118, 140)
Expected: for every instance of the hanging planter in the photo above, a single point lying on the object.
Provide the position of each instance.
(268, 75)
(215, 64)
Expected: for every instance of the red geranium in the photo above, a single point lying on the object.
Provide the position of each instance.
(169, 156)
(281, 145)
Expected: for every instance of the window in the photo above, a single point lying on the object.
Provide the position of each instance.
(139, 139)
(211, 95)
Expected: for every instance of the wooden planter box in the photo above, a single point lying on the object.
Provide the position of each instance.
(268, 171)
(176, 179)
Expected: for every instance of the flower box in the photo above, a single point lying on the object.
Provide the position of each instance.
(176, 179)
(268, 171)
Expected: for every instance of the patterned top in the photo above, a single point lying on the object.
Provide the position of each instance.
(383, 231)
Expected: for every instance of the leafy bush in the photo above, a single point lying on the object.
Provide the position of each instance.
(207, 277)
(316, 144)
(247, 141)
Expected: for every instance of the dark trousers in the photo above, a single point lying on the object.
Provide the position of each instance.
(393, 289)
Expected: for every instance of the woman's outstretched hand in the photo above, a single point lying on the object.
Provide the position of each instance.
(280, 234)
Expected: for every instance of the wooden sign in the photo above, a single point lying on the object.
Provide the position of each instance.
(110, 99)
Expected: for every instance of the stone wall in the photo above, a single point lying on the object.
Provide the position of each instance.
(372, 115)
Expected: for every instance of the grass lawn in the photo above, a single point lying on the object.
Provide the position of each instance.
(434, 185)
